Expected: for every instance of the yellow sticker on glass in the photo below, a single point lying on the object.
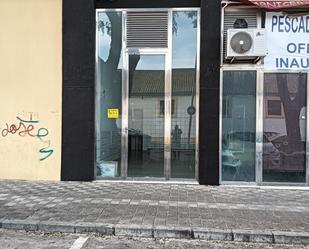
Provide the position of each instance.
(112, 113)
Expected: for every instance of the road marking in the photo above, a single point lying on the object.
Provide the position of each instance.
(78, 244)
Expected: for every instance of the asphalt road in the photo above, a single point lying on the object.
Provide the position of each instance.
(26, 240)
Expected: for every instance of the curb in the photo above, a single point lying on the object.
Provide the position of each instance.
(148, 231)
(212, 234)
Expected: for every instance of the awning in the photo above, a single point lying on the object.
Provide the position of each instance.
(278, 4)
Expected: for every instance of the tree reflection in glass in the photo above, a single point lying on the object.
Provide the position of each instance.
(284, 127)
(109, 94)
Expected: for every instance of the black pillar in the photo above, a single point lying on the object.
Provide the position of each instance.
(209, 92)
(78, 139)
(78, 71)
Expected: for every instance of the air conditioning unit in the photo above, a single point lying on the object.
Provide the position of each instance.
(243, 43)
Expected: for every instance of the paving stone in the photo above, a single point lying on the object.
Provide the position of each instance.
(85, 227)
(256, 236)
(56, 226)
(134, 230)
(172, 232)
(212, 234)
(175, 210)
(27, 225)
(281, 237)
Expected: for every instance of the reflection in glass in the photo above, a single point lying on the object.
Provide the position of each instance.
(109, 95)
(146, 116)
(284, 145)
(183, 135)
(238, 126)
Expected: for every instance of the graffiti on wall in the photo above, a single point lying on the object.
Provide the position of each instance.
(30, 127)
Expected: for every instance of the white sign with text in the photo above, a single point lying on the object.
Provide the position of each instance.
(287, 42)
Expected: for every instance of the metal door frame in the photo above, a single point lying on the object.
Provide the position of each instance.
(167, 112)
(167, 52)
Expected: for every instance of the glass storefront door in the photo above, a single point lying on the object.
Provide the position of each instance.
(146, 104)
(147, 93)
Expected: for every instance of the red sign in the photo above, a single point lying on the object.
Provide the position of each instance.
(279, 4)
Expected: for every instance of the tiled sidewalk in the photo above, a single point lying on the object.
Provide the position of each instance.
(149, 205)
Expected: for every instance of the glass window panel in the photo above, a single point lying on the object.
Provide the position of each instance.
(184, 56)
(238, 126)
(109, 94)
(284, 143)
(146, 116)
(162, 106)
(274, 107)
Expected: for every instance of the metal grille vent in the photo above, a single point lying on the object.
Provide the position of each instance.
(231, 16)
(147, 29)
